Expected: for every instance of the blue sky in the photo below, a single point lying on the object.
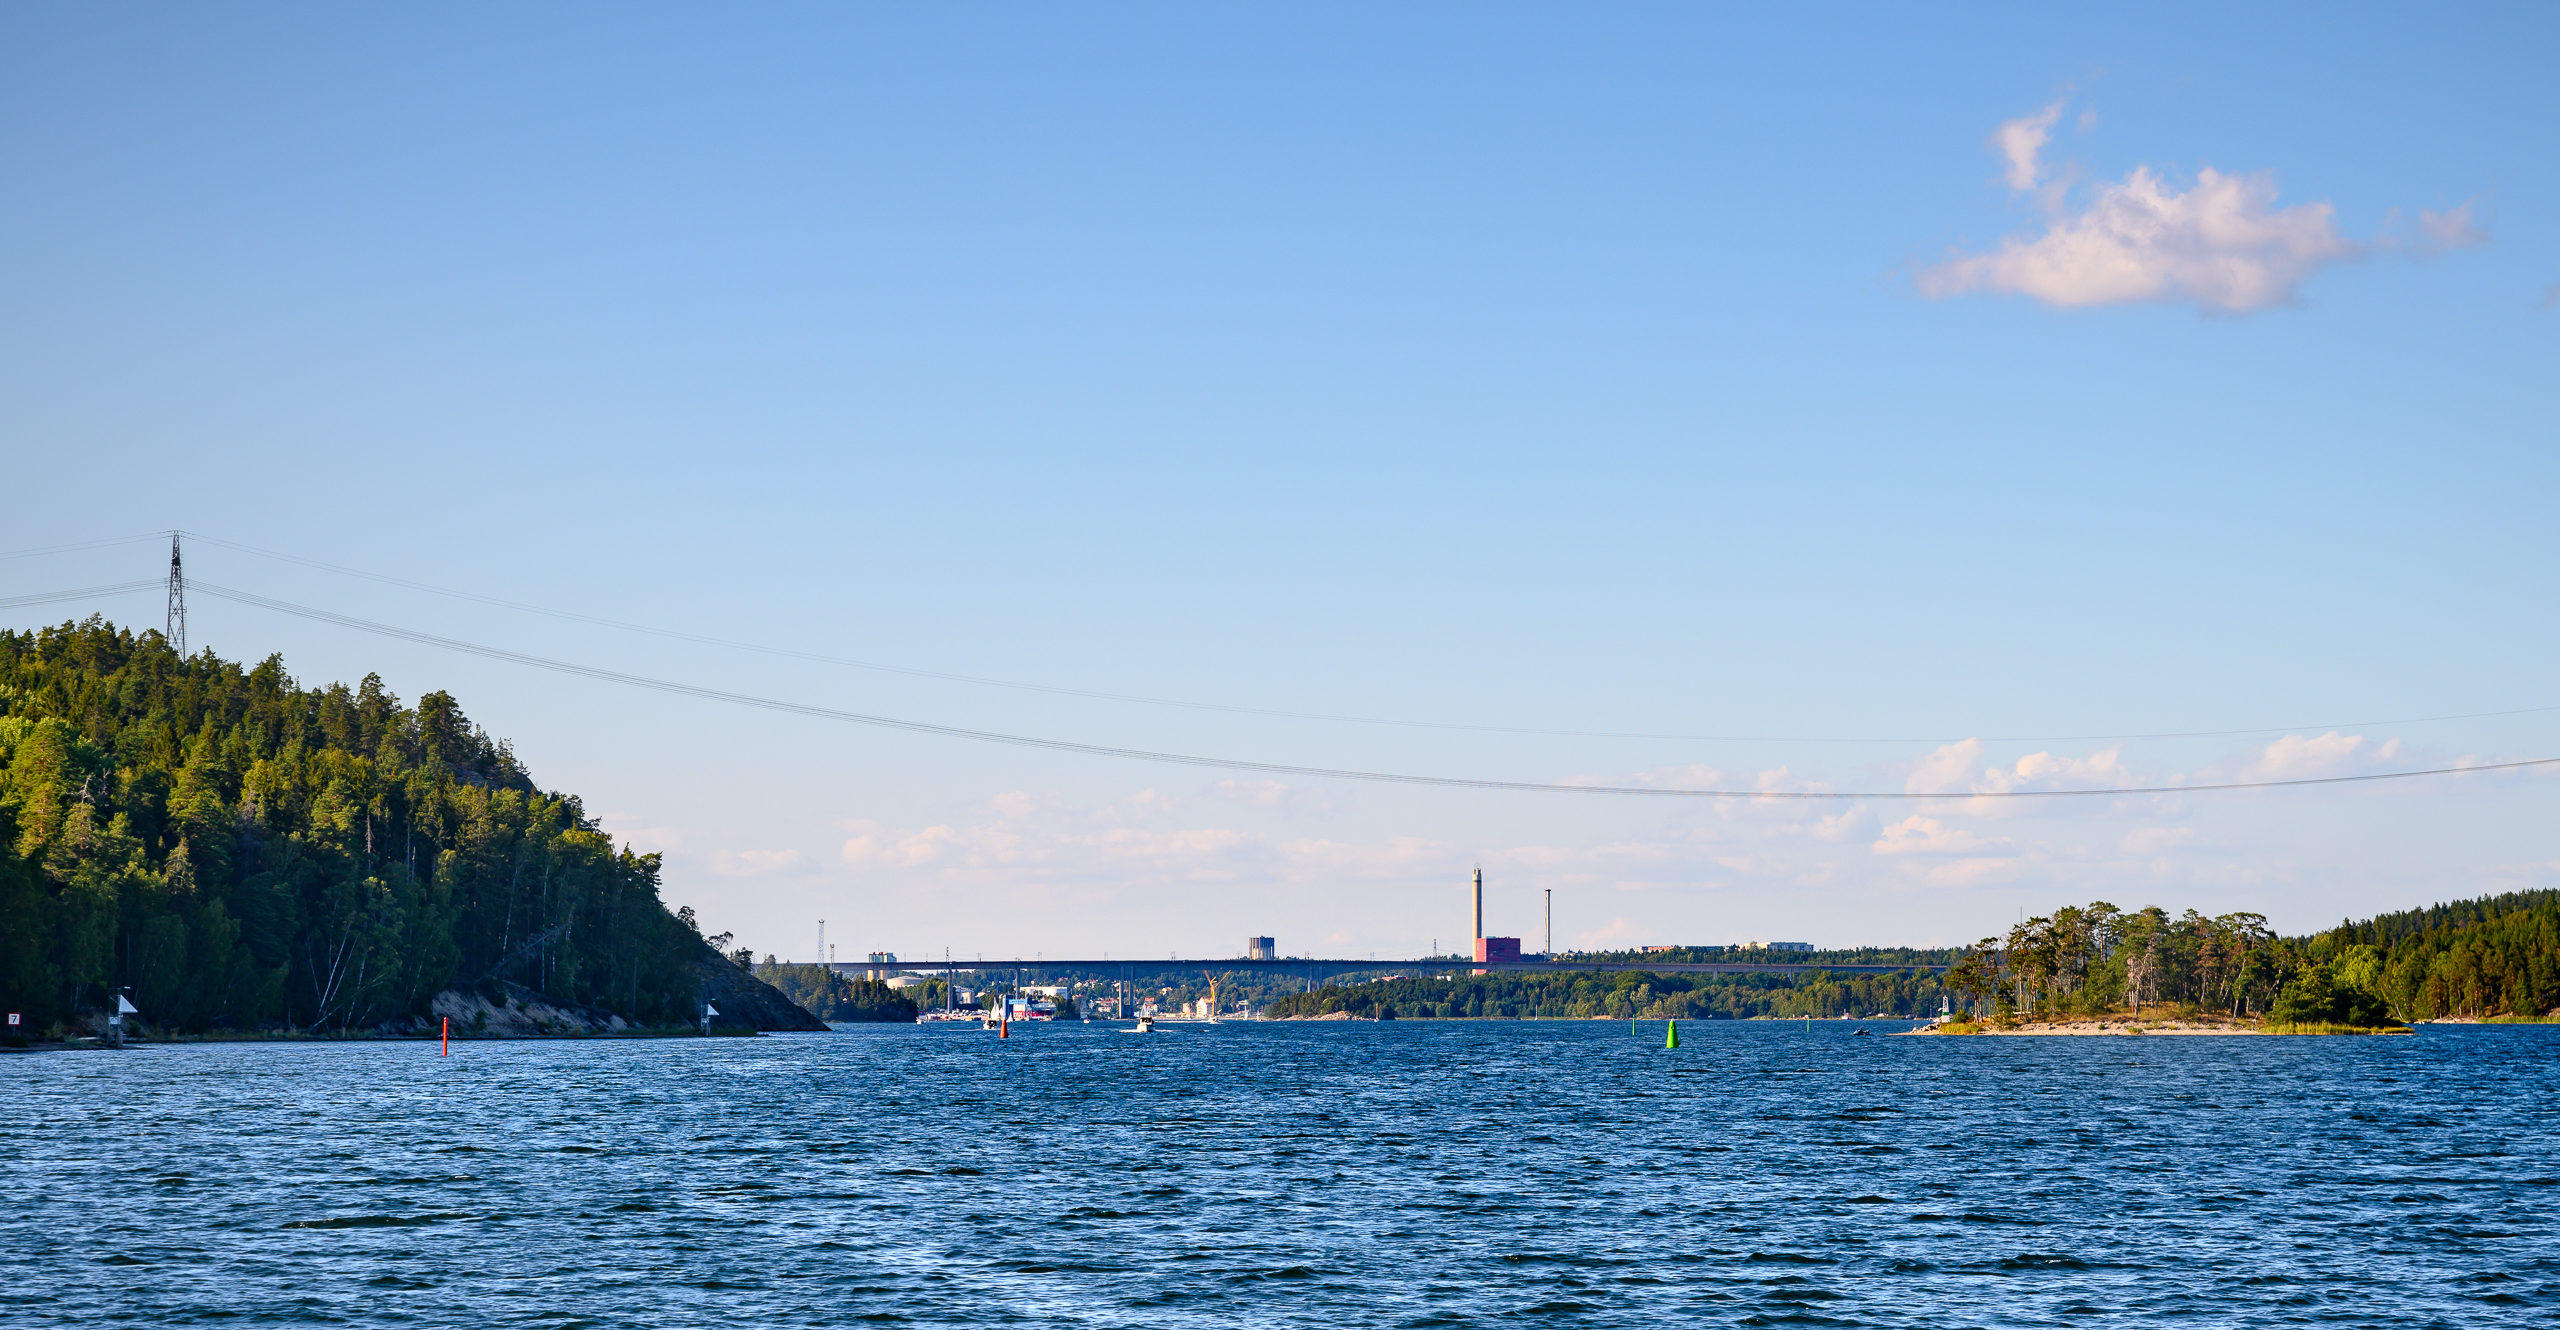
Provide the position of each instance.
(1664, 370)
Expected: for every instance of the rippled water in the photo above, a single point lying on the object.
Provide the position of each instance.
(1337, 1174)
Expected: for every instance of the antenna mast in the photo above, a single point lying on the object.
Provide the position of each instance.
(176, 631)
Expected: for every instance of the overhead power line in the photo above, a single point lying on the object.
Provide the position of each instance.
(1266, 768)
(1282, 713)
(77, 546)
(80, 593)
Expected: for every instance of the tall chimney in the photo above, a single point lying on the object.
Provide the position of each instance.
(1479, 902)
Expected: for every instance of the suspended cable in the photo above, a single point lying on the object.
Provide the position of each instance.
(1239, 764)
(1281, 713)
(80, 593)
(84, 545)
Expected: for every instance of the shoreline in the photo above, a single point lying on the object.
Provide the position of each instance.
(2127, 1027)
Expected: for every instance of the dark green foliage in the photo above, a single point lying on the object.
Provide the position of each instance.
(833, 997)
(2495, 956)
(2316, 998)
(2498, 955)
(1625, 995)
(2093, 958)
(244, 854)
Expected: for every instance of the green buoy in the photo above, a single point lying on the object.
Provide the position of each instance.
(1671, 1034)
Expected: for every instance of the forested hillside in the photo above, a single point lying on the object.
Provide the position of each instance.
(2496, 956)
(242, 853)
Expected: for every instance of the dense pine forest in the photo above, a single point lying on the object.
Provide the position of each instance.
(236, 852)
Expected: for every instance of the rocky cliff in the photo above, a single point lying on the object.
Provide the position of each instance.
(746, 1002)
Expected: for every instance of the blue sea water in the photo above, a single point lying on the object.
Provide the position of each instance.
(1401, 1174)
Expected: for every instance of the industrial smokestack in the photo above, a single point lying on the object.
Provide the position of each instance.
(1479, 902)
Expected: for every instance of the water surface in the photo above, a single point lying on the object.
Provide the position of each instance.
(1402, 1174)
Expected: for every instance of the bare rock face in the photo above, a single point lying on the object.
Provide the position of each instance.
(517, 1013)
(746, 1002)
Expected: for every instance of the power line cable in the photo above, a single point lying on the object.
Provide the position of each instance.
(1267, 768)
(83, 545)
(80, 593)
(1286, 714)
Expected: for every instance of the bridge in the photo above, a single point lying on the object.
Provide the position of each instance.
(1326, 967)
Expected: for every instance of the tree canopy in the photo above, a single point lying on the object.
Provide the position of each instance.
(242, 853)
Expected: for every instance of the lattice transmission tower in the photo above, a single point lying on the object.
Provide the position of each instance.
(177, 627)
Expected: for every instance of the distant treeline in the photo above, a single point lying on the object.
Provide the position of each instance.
(241, 853)
(1626, 995)
(1923, 956)
(2497, 956)
(832, 997)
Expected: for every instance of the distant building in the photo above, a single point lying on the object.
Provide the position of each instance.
(1657, 951)
(884, 958)
(1497, 949)
(1261, 949)
(1776, 946)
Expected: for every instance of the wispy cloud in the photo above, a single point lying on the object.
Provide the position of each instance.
(2296, 756)
(1272, 794)
(2220, 242)
(1928, 835)
(2022, 142)
(2451, 229)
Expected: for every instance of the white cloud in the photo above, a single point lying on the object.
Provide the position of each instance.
(1949, 770)
(1840, 826)
(1953, 769)
(2222, 244)
(875, 848)
(2044, 771)
(2020, 141)
(2295, 757)
(1927, 835)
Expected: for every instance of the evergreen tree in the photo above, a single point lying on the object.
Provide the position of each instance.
(242, 853)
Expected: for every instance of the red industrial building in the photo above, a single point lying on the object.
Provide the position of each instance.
(1491, 948)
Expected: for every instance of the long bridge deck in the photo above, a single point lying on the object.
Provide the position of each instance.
(1321, 966)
